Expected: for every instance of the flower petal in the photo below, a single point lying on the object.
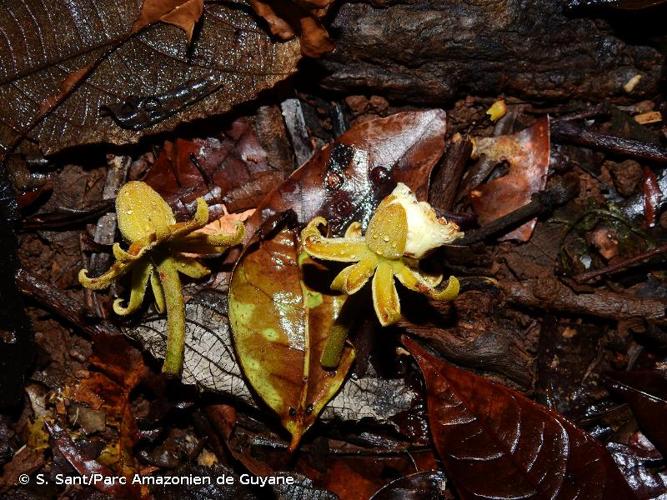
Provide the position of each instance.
(142, 211)
(103, 281)
(190, 267)
(200, 243)
(140, 275)
(388, 230)
(180, 229)
(351, 279)
(334, 249)
(385, 297)
(417, 282)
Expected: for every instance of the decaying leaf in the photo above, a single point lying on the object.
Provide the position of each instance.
(646, 393)
(181, 13)
(210, 363)
(280, 319)
(289, 19)
(235, 164)
(280, 328)
(346, 180)
(496, 443)
(527, 153)
(135, 83)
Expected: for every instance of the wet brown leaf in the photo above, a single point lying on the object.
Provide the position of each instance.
(527, 153)
(646, 393)
(279, 321)
(496, 443)
(235, 163)
(150, 81)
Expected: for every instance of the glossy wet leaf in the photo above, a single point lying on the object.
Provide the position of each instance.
(527, 153)
(85, 54)
(646, 393)
(279, 324)
(496, 443)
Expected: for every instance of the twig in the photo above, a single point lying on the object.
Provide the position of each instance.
(551, 295)
(544, 201)
(563, 131)
(621, 266)
(445, 183)
(59, 303)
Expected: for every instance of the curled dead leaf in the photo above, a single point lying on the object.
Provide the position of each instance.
(303, 19)
(181, 13)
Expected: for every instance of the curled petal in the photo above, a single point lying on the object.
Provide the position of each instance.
(425, 284)
(334, 249)
(180, 229)
(351, 279)
(105, 280)
(354, 231)
(158, 292)
(190, 267)
(140, 275)
(385, 297)
(200, 243)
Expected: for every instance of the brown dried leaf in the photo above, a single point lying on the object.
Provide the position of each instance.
(496, 443)
(181, 13)
(288, 19)
(527, 153)
(235, 163)
(152, 80)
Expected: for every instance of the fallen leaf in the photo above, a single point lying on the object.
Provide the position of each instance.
(61, 441)
(235, 163)
(642, 468)
(418, 485)
(181, 13)
(149, 81)
(527, 153)
(345, 180)
(289, 19)
(646, 393)
(279, 321)
(496, 443)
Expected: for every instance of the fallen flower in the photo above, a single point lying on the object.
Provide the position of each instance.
(401, 232)
(158, 245)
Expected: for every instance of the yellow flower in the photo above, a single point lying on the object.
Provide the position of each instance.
(401, 231)
(158, 252)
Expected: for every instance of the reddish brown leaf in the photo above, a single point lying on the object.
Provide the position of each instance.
(527, 153)
(652, 196)
(346, 180)
(181, 13)
(236, 163)
(646, 393)
(496, 443)
(61, 441)
(287, 19)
